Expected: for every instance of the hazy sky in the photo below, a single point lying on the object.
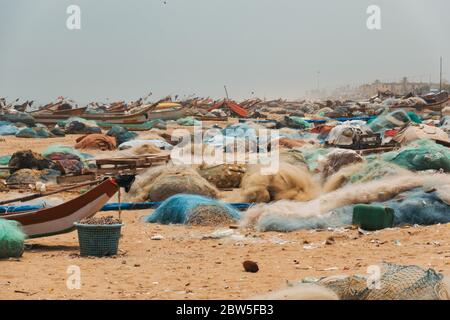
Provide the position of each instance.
(271, 47)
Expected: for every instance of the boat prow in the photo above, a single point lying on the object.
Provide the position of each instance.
(60, 219)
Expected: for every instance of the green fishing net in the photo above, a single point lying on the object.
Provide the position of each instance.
(11, 239)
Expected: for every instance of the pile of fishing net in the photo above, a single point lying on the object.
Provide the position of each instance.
(335, 209)
(7, 128)
(421, 155)
(240, 137)
(288, 182)
(422, 207)
(160, 183)
(293, 157)
(188, 121)
(77, 125)
(193, 210)
(57, 148)
(313, 155)
(36, 132)
(156, 143)
(31, 176)
(27, 159)
(18, 117)
(4, 160)
(396, 282)
(392, 120)
(57, 131)
(421, 132)
(11, 239)
(337, 159)
(370, 170)
(241, 131)
(294, 122)
(291, 143)
(67, 163)
(121, 134)
(223, 175)
(96, 141)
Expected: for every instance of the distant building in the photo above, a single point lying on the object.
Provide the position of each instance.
(369, 90)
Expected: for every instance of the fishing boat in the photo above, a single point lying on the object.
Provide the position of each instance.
(59, 108)
(71, 112)
(60, 219)
(145, 114)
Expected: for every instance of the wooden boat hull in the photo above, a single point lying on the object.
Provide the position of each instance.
(166, 114)
(71, 112)
(60, 219)
(437, 106)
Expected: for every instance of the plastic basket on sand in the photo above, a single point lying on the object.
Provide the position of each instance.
(99, 237)
(11, 239)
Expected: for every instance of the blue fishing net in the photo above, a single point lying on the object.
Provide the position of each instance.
(121, 134)
(178, 208)
(7, 129)
(37, 132)
(412, 207)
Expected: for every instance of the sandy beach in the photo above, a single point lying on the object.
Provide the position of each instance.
(186, 264)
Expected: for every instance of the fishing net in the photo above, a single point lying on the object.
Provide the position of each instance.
(77, 125)
(241, 131)
(194, 210)
(11, 239)
(396, 282)
(160, 183)
(37, 132)
(7, 129)
(296, 122)
(56, 148)
(411, 207)
(18, 117)
(337, 159)
(223, 175)
(293, 157)
(188, 121)
(409, 196)
(121, 134)
(386, 121)
(58, 132)
(375, 170)
(414, 117)
(4, 160)
(288, 182)
(419, 207)
(30, 176)
(312, 155)
(334, 219)
(27, 159)
(422, 155)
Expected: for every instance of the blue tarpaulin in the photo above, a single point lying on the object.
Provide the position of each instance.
(113, 206)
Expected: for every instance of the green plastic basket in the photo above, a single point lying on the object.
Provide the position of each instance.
(98, 240)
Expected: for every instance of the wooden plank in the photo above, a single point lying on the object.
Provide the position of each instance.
(75, 179)
(375, 150)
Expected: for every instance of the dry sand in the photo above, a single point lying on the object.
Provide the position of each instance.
(184, 266)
